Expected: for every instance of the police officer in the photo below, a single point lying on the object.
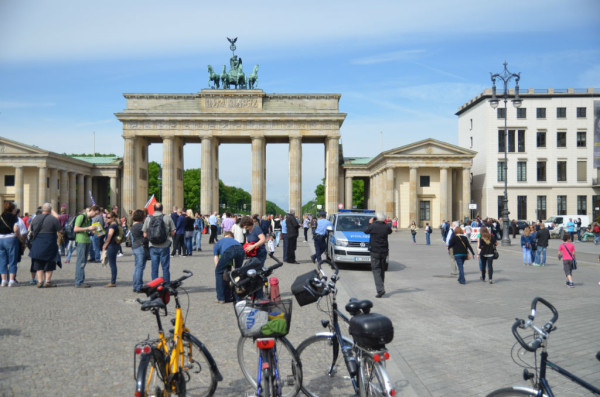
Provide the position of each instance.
(320, 237)
(378, 232)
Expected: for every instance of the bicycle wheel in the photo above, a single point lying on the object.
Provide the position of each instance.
(373, 378)
(322, 374)
(288, 364)
(513, 391)
(201, 379)
(149, 379)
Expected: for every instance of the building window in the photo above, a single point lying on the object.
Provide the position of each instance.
(501, 113)
(581, 138)
(424, 181)
(581, 112)
(541, 171)
(500, 206)
(511, 141)
(581, 205)
(521, 113)
(561, 139)
(522, 171)
(581, 170)
(561, 205)
(541, 139)
(501, 141)
(541, 208)
(521, 141)
(501, 171)
(561, 171)
(561, 113)
(540, 113)
(424, 210)
(9, 180)
(521, 207)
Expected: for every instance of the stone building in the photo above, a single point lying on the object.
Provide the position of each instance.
(31, 176)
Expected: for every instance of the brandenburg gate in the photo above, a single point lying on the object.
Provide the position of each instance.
(219, 116)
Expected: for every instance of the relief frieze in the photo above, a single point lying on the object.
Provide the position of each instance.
(231, 103)
(231, 125)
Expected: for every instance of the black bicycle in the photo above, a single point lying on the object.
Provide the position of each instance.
(539, 383)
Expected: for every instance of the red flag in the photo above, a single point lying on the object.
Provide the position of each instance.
(150, 205)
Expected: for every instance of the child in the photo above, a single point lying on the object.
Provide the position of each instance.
(566, 252)
(271, 243)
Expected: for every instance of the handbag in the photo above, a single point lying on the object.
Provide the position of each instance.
(468, 254)
(496, 254)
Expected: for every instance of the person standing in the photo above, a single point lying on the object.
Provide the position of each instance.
(305, 226)
(97, 238)
(138, 245)
(320, 237)
(44, 249)
(292, 236)
(428, 231)
(596, 231)
(238, 231)
(378, 232)
(212, 221)
(571, 229)
(284, 237)
(453, 265)
(178, 238)
(159, 244)
(228, 222)
(413, 232)
(526, 246)
(566, 252)
(487, 244)
(277, 228)
(189, 232)
(62, 219)
(515, 228)
(83, 228)
(226, 251)
(198, 227)
(9, 240)
(460, 245)
(255, 237)
(543, 237)
(578, 226)
(111, 247)
(265, 225)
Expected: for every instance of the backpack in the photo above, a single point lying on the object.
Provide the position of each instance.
(157, 230)
(596, 228)
(69, 228)
(120, 237)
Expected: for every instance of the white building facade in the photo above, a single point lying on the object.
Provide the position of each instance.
(551, 140)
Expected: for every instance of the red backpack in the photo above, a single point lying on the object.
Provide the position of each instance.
(596, 228)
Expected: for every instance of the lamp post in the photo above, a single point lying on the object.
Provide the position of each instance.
(505, 77)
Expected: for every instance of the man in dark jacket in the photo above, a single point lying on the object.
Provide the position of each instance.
(292, 236)
(543, 235)
(378, 232)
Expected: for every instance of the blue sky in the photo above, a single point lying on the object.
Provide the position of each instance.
(402, 67)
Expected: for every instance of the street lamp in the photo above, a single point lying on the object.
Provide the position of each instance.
(505, 76)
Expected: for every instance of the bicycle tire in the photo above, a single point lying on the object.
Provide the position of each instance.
(289, 364)
(513, 391)
(316, 354)
(373, 378)
(200, 377)
(149, 381)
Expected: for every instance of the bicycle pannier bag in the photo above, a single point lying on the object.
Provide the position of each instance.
(302, 289)
(371, 331)
(157, 230)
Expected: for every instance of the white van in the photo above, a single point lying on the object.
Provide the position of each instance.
(557, 223)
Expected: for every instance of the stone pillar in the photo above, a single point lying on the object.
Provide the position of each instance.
(348, 195)
(258, 176)
(412, 195)
(87, 191)
(331, 174)
(215, 175)
(64, 190)
(168, 174)
(449, 196)
(295, 159)
(113, 191)
(443, 195)
(389, 192)
(42, 187)
(72, 205)
(19, 196)
(80, 193)
(54, 188)
(206, 172)
(466, 191)
(129, 172)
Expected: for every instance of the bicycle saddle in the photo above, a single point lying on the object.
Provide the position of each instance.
(153, 304)
(355, 306)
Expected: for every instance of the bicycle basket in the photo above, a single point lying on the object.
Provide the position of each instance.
(264, 318)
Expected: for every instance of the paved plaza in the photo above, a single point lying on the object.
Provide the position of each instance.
(450, 339)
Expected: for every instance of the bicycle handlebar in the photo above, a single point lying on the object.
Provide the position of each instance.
(263, 273)
(541, 333)
(171, 286)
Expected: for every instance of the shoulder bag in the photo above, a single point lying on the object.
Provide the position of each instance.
(572, 256)
(466, 249)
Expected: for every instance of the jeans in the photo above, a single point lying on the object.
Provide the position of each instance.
(596, 238)
(160, 256)
(320, 248)
(540, 254)
(140, 264)
(8, 255)
(285, 246)
(234, 253)
(487, 260)
(277, 237)
(414, 237)
(83, 250)
(460, 260)
(378, 269)
(111, 254)
(579, 234)
(526, 255)
(197, 240)
(70, 248)
(428, 238)
(188, 245)
(95, 248)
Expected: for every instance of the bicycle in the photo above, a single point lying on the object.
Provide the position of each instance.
(539, 383)
(267, 359)
(364, 354)
(180, 363)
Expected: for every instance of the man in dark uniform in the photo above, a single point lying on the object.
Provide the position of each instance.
(292, 236)
(320, 237)
(378, 232)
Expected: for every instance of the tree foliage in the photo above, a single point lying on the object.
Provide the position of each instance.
(358, 193)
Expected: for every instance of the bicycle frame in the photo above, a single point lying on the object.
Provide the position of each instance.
(268, 349)
(543, 382)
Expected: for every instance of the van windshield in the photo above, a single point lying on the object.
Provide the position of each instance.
(352, 223)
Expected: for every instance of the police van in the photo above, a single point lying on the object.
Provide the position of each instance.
(347, 241)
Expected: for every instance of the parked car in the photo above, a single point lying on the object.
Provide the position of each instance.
(520, 226)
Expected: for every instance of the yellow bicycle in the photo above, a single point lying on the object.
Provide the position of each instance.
(179, 364)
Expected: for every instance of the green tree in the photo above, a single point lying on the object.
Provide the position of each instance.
(153, 182)
(358, 193)
(320, 193)
(191, 189)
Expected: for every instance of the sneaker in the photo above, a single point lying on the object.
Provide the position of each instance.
(41, 285)
(491, 281)
(110, 285)
(49, 284)
(4, 283)
(380, 294)
(536, 264)
(33, 281)
(67, 261)
(119, 255)
(84, 285)
(13, 283)
(570, 285)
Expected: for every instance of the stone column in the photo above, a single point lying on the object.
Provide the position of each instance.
(412, 195)
(64, 190)
(72, 205)
(258, 176)
(129, 172)
(19, 196)
(215, 175)
(168, 174)
(348, 195)
(42, 186)
(466, 191)
(331, 174)
(295, 159)
(113, 191)
(206, 172)
(54, 188)
(443, 194)
(87, 190)
(80, 193)
(389, 192)
(450, 192)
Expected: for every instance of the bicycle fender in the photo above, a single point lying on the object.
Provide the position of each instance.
(141, 372)
(209, 357)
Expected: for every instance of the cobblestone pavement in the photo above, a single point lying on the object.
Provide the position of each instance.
(450, 339)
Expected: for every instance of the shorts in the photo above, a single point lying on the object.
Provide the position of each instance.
(568, 267)
(47, 266)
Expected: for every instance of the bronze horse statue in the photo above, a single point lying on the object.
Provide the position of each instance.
(213, 77)
(235, 77)
(252, 77)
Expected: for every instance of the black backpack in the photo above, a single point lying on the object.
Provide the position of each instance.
(69, 228)
(157, 230)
